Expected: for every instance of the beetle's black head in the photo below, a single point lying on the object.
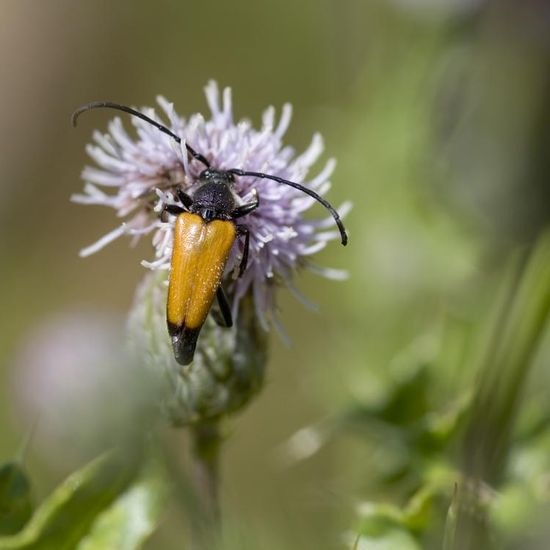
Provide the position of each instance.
(214, 198)
(216, 176)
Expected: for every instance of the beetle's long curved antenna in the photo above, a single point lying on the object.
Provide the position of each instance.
(133, 112)
(306, 190)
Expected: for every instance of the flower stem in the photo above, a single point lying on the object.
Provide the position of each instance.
(206, 442)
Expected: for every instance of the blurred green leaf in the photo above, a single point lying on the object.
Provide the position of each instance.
(407, 443)
(510, 344)
(420, 509)
(515, 511)
(127, 523)
(383, 527)
(389, 539)
(91, 503)
(15, 498)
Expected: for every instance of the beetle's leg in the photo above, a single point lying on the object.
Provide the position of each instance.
(173, 209)
(245, 209)
(185, 199)
(222, 317)
(176, 210)
(243, 230)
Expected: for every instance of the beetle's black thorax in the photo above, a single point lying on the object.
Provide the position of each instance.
(214, 198)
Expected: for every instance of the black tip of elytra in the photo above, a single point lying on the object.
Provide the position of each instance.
(184, 342)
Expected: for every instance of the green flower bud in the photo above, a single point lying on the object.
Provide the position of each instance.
(228, 367)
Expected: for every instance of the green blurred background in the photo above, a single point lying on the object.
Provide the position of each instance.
(438, 114)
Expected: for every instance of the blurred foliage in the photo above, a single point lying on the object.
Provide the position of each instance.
(114, 502)
(418, 443)
(15, 498)
(438, 115)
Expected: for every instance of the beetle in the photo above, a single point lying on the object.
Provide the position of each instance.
(205, 229)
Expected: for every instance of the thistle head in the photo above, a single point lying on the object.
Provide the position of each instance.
(138, 177)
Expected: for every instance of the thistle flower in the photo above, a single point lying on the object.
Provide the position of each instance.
(143, 174)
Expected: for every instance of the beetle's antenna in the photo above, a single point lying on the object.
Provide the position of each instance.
(306, 190)
(133, 112)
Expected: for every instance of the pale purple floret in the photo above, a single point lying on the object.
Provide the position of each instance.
(142, 174)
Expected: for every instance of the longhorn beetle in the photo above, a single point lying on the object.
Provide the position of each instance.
(205, 230)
